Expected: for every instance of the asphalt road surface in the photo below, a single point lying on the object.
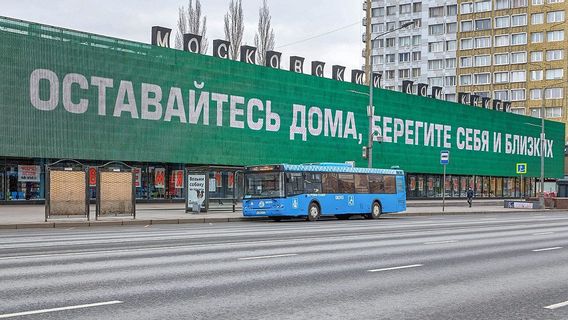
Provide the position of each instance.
(454, 267)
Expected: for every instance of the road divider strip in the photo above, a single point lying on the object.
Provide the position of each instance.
(82, 306)
(547, 249)
(396, 268)
(441, 242)
(558, 305)
(543, 233)
(269, 257)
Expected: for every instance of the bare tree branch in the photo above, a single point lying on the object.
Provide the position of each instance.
(190, 22)
(264, 38)
(234, 27)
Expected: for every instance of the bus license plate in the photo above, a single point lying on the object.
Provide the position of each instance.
(261, 212)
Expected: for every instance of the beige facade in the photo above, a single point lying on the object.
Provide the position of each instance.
(515, 50)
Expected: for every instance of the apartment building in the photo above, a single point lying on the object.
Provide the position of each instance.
(424, 53)
(514, 50)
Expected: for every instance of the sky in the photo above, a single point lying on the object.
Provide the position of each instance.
(293, 21)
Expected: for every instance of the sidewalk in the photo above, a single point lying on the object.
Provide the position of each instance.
(32, 216)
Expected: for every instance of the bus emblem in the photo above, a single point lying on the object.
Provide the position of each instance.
(261, 204)
(295, 203)
(351, 201)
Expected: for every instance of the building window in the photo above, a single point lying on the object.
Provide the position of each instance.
(536, 75)
(518, 39)
(417, 7)
(482, 6)
(553, 55)
(536, 56)
(501, 4)
(502, 95)
(502, 22)
(437, 64)
(557, 35)
(555, 1)
(404, 57)
(451, 63)
(553, 112)
(518, 20)
(465, 80)
(391, 10)
(535, 112)
(437, 12)
(451, 45)
(482, 24)
(518, 57)
(450, 81)
(519, 111)
(416, 56)
(404, 41)
(482, 78)
(451, 27)
(405, 8)
(554, 93)
(404, 73)
(536, 94)
(501, 59)
(416, 72)
(537, 2)
(537, 37)
(466, 44)
(391, 26)
(417, 23)
(482, 61)
(416, 40)
(555, 16)
(537, 18)
(518, 95)
(389, 43)
(465, 62)
(466, 7)
(389, 74)
(518, 76)
(501, 77)
(467, 26)
(436, 81)
(518, 3)
(436, 29)
(436, 46)
(451, 10)
(482, 42)
(390, 58)
(502, 41)
(554, 74)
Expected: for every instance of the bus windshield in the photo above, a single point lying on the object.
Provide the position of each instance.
(264, 185)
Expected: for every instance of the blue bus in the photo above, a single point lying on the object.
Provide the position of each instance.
(322, 189)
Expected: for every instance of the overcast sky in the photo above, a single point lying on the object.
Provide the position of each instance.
(292, 20)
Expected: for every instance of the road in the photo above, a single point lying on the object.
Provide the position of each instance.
(495, 266)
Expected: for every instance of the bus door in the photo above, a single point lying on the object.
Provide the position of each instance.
(400, 193)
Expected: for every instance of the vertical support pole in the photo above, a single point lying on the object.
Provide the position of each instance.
(444, 192)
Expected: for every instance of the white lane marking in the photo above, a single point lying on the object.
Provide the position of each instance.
(270, 257)
(543, 233)
(82, 306)
(547, 249)
(396, 268)
(558, 305)
(441, 242)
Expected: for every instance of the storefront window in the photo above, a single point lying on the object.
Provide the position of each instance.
(463, 187)
(499, 187)
(421, 189)
(485, 187)
(492, 185)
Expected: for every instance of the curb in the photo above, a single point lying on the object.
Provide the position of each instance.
(146, 222)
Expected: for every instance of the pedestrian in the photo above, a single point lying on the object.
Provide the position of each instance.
(469, 196)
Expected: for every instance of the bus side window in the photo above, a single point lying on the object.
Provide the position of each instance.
(329, 182)
(346, 183)
(390, 184)
(361, 183)
(294, 184)
(312, 182)
(376, 183)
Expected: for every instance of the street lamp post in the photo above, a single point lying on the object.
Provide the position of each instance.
(371, 79)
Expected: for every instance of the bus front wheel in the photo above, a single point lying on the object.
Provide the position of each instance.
(376, 211)
(313, 212)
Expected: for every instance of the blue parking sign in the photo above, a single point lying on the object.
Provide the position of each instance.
(521, 168)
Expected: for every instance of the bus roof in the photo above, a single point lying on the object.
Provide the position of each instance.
(327, 167)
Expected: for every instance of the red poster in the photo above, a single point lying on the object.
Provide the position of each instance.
(231, 180)
(172, 182)
(92, 176)
(160, 178)
(178, 176)
(137, 177)
(218, 179)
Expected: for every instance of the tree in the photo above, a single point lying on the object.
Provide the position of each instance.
(264, 38)
(234, 27)
(190, 22)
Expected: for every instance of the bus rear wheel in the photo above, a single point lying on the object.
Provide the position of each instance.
(313, 212)
(376, 211)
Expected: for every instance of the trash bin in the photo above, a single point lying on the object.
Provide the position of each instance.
(196, 208)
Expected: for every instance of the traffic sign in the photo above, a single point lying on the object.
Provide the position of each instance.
(521, 168)
(444, 157)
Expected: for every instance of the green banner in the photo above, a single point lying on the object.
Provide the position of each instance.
(66, 94)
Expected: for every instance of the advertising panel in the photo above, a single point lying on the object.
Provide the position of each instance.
(96, 98)
(29, 173)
